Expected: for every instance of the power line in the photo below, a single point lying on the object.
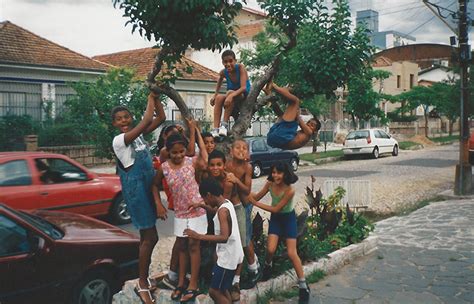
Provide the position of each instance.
(430, 19)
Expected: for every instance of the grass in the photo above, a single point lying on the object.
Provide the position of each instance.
(445, 139)
(404, 145)
(290, 293)
(320, 155)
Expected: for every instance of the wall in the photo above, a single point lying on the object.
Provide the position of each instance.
(82, 154)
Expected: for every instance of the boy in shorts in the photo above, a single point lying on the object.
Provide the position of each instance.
(283, 134)
(228, 249)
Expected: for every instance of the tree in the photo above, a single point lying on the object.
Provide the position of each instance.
(363, 101)
(212, 28)
(89, 111)
(327, 52)
(418, 96)
(447, 96)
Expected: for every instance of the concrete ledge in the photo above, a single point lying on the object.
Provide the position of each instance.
(415, 147)
(449, 195)
(334, 261)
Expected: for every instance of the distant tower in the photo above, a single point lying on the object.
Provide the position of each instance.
(370, 19)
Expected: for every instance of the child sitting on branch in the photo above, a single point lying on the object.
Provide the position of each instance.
(238, 87)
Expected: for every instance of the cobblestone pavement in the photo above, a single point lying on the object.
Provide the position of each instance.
(424, 257)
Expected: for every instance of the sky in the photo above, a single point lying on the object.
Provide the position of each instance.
(95, 27)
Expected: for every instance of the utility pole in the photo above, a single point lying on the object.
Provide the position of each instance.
(463, 179)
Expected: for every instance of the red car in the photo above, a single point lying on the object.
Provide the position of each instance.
(48, 181)
(62, 257)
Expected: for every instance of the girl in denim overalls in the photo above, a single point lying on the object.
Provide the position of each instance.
(134, 166)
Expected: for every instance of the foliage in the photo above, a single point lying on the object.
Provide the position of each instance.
(405, 145)
(208, 24)
(88, 112)
(320, 155)
(445, 139)
(363, 101)
(326, 53)
(60, 134)
(396, 117)
(12, 130)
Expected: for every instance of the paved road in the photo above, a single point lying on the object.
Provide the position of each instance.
(425, 257)
(395, 181)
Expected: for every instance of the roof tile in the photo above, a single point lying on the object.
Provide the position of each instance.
(142, 61)
(20, 46)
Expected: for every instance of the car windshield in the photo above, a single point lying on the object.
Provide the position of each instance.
(42, 225)
(357, 134)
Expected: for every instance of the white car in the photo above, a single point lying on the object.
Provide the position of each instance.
(369, 141)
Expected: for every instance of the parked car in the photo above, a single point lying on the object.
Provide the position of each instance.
(37, 180)
(262, 156)
(62, 257)
(369, 141)
(471, 149)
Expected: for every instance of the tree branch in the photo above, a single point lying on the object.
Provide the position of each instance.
(164, 88)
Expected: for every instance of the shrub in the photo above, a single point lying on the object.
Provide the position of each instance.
(12, 130)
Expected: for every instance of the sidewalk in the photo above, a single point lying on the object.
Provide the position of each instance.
(424, 257)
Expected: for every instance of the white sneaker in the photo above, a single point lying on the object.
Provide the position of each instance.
(223, 131)
(215, 132)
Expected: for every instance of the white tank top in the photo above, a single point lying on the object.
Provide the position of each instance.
(229, 254)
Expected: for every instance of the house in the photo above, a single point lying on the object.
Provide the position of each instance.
(404, 76)
(34, 70)
(437, 73)
(196, 88)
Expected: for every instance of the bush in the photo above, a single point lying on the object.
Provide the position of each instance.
(60, 134)
(13, 129)
(395, 117)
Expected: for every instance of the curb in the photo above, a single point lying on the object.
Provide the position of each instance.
(334, 261)
(415, 147)
(449, 195)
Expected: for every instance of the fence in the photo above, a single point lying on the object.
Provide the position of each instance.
(358, 192)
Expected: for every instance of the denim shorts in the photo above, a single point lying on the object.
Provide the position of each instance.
(221, 278)
(136, 189)
(283, 225)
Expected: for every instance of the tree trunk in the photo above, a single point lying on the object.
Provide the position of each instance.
(451, 123)
(426, 124)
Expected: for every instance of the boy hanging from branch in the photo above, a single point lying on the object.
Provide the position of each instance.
(283, 134)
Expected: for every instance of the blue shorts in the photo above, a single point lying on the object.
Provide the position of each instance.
(248, 222)
(221, 278)
(283, 225)
(281, 133)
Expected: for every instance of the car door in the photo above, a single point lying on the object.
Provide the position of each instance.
(383, 141)
(17, 186)
(261, 153)
(67, 187)
(19, 271)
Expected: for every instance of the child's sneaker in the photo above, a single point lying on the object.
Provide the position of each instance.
(223, 131)
(304, 295)
(235, 292)
(215, 132)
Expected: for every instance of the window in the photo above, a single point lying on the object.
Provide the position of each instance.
(412, 80)
(399, 81)
(259, 146)
(384, 135)
(357, 135)
(378, 134)
(56, 170)
(15, 173)
(14, 238)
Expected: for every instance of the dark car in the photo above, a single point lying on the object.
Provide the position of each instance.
(49, 181)
(262, 156)
(62, 257)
